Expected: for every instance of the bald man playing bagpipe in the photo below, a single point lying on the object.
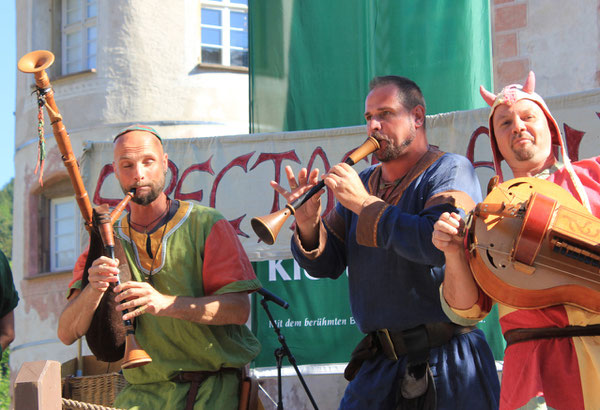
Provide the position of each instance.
(188, 293)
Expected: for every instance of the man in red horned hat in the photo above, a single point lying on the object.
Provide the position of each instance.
(552, 358)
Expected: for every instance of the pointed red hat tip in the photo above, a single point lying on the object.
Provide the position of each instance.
(529, 86)
(487, 96)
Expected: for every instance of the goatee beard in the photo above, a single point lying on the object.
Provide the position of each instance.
(391, 151)
(155, 190)
(146, 199)
(524, 153)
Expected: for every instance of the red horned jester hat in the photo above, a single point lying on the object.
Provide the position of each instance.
(509, 96)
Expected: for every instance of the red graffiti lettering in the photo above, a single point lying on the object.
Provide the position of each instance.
(471, 149)
(321, 153)
(174, 177)
(242, 162)
(196, 195)
(236, 226)
(573, 138)
(277, 159)
(104, 173)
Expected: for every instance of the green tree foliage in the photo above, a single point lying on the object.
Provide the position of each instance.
(6, 224)
(5, 381)
(6, 218)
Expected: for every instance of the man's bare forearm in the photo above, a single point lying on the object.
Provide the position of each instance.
(460, 289)
(76, 317)
(229, 308)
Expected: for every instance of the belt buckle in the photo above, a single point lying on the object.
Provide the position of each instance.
(387, 346)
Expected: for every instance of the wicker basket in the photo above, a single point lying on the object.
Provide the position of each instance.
(99, 389)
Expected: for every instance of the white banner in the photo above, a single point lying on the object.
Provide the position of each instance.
(232, 173)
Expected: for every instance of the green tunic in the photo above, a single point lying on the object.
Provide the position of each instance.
(196, 254)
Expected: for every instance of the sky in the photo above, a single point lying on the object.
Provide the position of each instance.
(8, 69)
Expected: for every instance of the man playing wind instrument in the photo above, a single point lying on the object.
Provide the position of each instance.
(188, 293)
(412, 356)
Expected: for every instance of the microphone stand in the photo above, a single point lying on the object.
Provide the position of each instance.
(280, 352)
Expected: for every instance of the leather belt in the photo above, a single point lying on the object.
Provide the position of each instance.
(196, 379)
(417, 341)
(522, 335)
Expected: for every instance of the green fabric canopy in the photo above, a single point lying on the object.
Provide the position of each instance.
(310, 65)
(311, 60)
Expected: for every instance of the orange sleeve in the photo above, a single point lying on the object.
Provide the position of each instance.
(78, 272)
(225, 261)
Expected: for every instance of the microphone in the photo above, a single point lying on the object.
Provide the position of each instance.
(273, 298)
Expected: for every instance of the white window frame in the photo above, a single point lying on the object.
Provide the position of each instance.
(226, 7)
(82, 25)
(54, 267)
